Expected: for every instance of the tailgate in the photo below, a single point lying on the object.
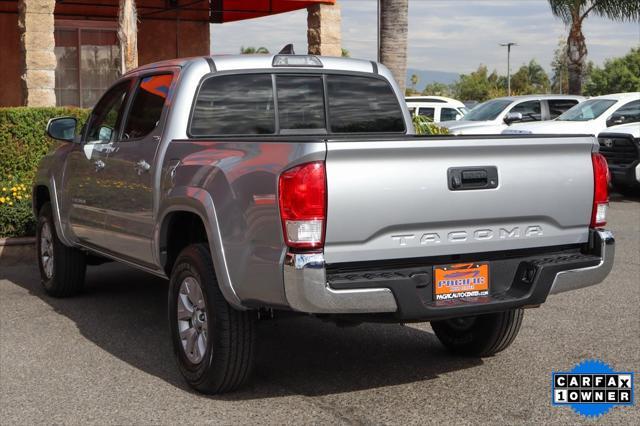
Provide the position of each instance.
(392, 199)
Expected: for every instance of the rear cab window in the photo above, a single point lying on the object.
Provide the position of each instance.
(289, 103)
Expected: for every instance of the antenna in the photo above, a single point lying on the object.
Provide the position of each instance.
(287, 50)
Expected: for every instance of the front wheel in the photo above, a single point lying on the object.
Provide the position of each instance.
(482, 335)
(62, 268)
(213, 342)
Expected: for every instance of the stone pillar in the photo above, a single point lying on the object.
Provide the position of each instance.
(36, 25)
(323, 30)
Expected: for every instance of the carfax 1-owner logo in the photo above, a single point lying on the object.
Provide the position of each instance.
(592, 388)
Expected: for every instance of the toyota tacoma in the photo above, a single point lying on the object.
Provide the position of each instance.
(288, 182)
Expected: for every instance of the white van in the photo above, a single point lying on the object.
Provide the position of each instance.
(436, 108)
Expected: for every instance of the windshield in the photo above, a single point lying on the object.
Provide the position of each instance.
(587, 110)
(487, 110)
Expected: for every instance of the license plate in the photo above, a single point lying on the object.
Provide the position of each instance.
(460, 280)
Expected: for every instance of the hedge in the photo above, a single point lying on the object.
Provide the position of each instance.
(22, 144)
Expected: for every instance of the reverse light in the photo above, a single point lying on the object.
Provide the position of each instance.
(302, 196)
(601, 180)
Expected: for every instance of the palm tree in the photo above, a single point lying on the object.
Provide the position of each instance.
(414, 82)
(393, 38)
(573, 13)
(128, 35)
(251, 50)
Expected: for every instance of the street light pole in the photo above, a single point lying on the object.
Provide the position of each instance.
(508, 45)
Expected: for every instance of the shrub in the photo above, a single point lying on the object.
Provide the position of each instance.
(424, 126)
(23, 143)
(16, 218)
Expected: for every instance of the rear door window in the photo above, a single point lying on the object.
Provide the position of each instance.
(146, 108)
(359, 104)
(559, 106)
(427, 112)
(234, 105)
(300, 103)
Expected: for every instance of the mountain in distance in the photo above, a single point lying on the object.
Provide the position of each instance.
(430, 76)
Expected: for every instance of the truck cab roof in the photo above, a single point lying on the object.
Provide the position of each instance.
(261, 61)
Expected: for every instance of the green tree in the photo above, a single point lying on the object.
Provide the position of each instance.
(530, 79)
(394, 27)
(479, 85)
(437, 89)
(617, 75)
(252, 50)
(560, 68)
(573, 13)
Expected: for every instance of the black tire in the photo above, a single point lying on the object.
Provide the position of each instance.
(230, 340)
(480, 336)
(65, 275)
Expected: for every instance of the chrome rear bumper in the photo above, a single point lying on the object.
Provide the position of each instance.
(603, 245)
(307, 289)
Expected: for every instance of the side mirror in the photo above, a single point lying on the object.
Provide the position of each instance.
(458, 116)
(611, 121)
(62, 128)
(512, 117)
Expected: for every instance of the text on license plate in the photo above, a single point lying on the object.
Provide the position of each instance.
(460, 280)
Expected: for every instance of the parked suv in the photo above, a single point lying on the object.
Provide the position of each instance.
(436, 108)
(492, 117)
(266, 183)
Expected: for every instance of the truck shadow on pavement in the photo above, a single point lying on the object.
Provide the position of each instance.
(123, 311)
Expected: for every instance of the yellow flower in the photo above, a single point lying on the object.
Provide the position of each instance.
(19, 197)
(1, 200)
(10, 203)
(4, 188)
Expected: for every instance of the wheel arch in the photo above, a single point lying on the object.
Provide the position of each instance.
(193, 207)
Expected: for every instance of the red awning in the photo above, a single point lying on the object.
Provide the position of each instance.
(237, 10)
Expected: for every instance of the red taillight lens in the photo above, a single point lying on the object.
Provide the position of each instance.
(600, 190)
(302, 194)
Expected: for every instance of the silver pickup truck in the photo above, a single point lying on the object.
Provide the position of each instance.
(296, 183)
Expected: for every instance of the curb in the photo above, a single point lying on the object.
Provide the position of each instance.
(17, 251)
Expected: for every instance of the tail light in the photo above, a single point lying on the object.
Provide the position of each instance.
(302, 195)
(600, 190)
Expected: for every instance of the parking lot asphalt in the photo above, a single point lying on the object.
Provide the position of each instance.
(105, 358)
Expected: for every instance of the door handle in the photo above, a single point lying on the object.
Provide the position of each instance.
(465, 178)
(99, 164)
(142, 166)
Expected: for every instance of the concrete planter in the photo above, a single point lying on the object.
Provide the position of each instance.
(17, 251)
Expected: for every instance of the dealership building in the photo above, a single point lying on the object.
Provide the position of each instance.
(68, 52)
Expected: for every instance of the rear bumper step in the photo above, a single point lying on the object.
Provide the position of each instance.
(407, 291)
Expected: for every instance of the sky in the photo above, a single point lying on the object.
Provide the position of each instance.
(454, 35)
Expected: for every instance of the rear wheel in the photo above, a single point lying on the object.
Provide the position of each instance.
(62, 268)
(482, 335)
(213, 342)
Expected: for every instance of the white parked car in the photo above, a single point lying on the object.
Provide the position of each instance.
(590, 117)
(436, 108)
(492, 117)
